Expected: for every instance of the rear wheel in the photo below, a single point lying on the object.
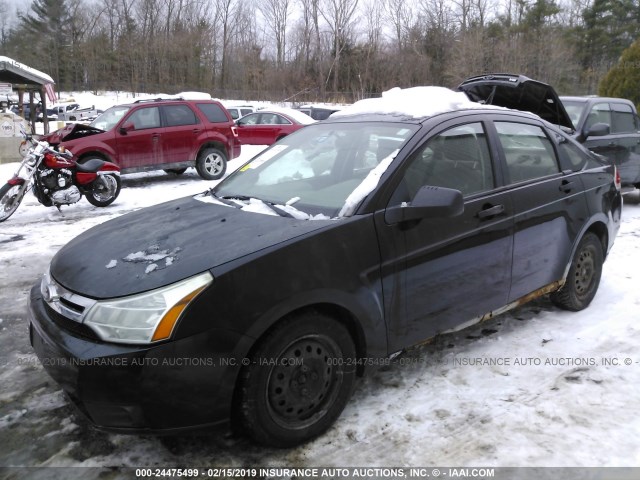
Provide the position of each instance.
(104, 190)
(211, 164)
(298, 381)
(584, 275)
(10, 198)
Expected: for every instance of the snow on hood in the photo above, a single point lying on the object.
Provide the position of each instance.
(415, 102)
(163, 244)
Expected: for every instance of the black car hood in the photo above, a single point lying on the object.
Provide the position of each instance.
(519, 93)
(166, 243)
(71, 132)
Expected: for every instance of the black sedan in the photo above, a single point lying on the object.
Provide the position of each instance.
(262, 300)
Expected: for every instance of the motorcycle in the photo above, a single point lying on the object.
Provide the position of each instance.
(57, 179)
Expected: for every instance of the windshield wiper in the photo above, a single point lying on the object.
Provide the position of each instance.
(228, 200)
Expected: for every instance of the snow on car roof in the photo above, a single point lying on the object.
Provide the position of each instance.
(290, 112)
(415, 102)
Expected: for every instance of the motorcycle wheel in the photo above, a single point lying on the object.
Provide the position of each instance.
(10, 198)
(104, 190)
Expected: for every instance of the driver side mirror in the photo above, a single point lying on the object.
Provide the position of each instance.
(429, 202)
(127, 127)
(596, 130)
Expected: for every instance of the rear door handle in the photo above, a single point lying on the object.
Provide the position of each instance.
(196, 131)
(490, 211)
(566, 186)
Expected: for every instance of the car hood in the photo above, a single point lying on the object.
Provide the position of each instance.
(160, 245)
(519, 93)
(71, 132)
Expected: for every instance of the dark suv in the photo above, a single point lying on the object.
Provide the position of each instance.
(620, 143)
(607, 126)
(167, 134)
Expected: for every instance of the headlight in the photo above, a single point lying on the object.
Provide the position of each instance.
(147, 317)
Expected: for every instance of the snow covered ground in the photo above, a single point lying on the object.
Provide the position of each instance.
(535, 387)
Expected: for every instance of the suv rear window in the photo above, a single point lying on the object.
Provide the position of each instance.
(213, 112)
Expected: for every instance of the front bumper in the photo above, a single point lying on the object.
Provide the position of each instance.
(177, 385)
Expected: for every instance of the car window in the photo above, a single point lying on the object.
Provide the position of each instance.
(319, 167)
(249, 119)
(245, 111)
(623, 118)
(574, 109)
(272, 119)
(528, 151)
(110, 118)
(177, 115)
(572, 153)
(457, 158)
(599, 113)
(147, 117)
(214, 113)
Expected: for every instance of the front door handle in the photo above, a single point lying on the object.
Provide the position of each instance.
(490, 211)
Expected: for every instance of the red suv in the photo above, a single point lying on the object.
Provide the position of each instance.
(157, 134)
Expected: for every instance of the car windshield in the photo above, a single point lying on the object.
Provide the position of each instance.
(324, 169)
(110, 118)
(574, 109)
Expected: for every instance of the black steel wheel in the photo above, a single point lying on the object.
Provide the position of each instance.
(298, 380)
(211, 164)
(10, 198)
(584, 275)
(104, 190)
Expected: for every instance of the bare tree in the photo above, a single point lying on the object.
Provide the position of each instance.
(339, 15)
(399, 13)
(276, 14)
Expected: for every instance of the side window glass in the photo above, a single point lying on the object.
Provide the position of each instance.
(178, 115)
(148, 117)
(249, 120)
(600, 113)
(457, 158)
(572, 153)
(214, 113)
(623, 118)
(528, 151)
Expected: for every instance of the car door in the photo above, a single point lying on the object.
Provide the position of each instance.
(549, 205)
(181, 130)
(138, 138)
(248, 129)
(441, 272)
(625, 134)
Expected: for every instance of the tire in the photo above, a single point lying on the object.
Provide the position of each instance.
(284, 405)
(104, 190)
(10, 198)
(584, 276)
(176, 171)
(211, 164)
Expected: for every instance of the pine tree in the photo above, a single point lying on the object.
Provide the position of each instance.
(46, 32)
(623, 80)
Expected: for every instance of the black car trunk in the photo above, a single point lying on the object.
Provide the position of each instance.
(518, 92)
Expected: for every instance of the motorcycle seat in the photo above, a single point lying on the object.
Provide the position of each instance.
(90, 166)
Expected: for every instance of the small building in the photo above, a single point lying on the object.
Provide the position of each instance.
(16, 77)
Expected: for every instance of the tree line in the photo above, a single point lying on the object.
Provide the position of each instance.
(316, 50)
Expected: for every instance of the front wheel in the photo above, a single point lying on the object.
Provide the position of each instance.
(298, 381)
(211, 164)
(10, 198)
(104, 190)
(584, 275)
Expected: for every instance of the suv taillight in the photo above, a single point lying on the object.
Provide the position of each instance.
(618, 181)
(234, 130)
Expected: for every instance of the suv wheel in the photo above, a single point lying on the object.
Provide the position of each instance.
(211, 164)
